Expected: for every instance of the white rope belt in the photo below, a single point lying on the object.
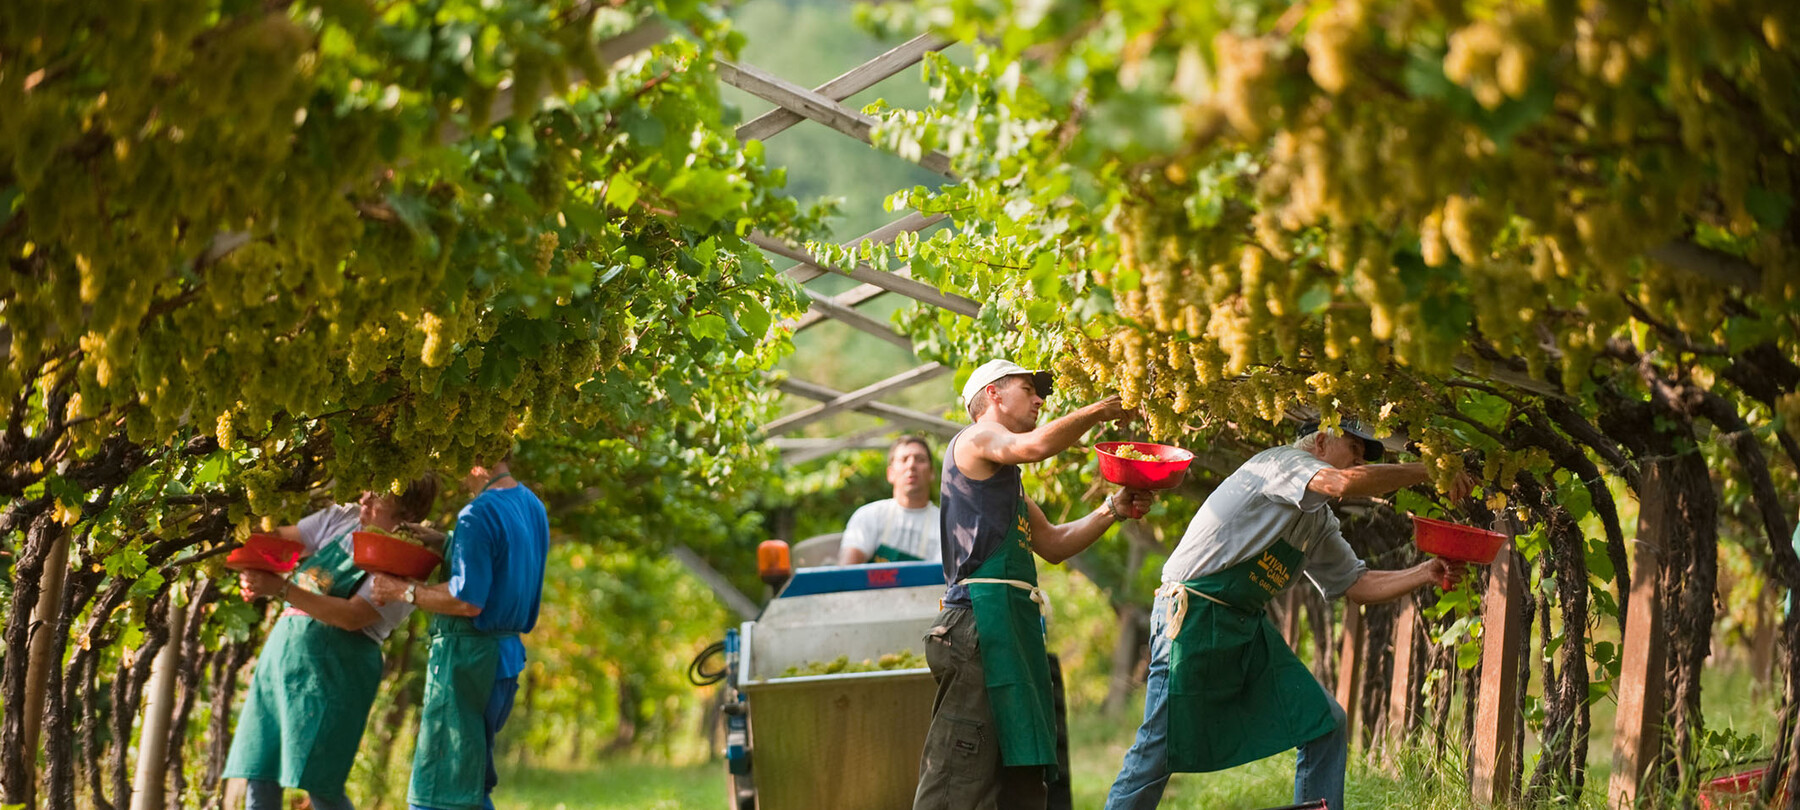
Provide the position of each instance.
(1178, 594)
(1037, 594)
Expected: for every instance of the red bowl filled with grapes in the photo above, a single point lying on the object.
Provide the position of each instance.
(396, 556)
(1143, 465)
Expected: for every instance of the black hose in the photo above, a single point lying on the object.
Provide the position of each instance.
(697, 673)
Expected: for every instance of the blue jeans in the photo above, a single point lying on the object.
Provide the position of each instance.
(499, 707)
(265, 794)
(1319, 774)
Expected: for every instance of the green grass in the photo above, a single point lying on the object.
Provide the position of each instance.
(1098, 749)
(617, 784)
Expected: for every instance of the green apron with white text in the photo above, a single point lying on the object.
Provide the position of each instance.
(451, 760)
(310, 696)
(1009, 623)
(1236, 691)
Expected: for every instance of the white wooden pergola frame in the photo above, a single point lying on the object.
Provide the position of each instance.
(823, 105)
(795, 104)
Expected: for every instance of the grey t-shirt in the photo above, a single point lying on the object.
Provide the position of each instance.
(886, 522)
(1264, 501)
(335, 523)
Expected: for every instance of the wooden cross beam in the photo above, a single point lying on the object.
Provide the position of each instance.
(916, 290)
(607, 52)
(943, 428)
(861, 396)
(800, 451)
(863, 293)
(914, 221)
(827, 111)
(856, 296)
(826, 306)
(719, 583)
(866, 440)
(856, 80)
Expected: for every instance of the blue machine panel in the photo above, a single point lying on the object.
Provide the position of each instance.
(839, 578)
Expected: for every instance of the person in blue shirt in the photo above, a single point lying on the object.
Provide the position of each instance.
(495, 578)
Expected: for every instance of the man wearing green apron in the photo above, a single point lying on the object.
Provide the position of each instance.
(902, 528)
(496, 575)
(316, 677)
(1223, 687)
(993, 728)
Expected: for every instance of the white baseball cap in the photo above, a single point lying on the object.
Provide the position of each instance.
(996, 370)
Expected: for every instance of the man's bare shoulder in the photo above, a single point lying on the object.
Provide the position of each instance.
(980, 440)
(976, 448)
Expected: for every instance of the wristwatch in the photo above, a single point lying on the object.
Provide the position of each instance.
(1111, 510)
(410, 594)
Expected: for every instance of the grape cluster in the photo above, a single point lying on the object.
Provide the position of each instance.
(543, 253)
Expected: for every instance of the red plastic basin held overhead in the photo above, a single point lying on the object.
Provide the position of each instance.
(1167, 471)
(1454, 541)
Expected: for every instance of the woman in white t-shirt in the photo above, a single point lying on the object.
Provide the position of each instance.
(316, 677)
(904, 527)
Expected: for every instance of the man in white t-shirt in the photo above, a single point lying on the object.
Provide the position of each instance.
(904, 527)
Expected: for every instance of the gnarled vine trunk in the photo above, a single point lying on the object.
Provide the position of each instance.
(18, 762)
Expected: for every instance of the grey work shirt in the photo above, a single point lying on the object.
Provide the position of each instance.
(1264, 501)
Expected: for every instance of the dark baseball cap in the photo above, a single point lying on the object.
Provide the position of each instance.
(1372, 447)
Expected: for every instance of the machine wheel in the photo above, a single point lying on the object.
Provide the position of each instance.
(740, 792)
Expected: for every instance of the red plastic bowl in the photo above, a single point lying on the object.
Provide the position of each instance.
(265, 552)
(383, 554)
(1454, 541)
(1166, 471)
(1736, 790)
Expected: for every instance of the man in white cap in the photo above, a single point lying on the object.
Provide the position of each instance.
(1223, 687)
(993, 728)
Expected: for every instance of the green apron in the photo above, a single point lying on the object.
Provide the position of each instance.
(311, 693)
(887, 553)
(451, 760)
(1009, 622)
(1236, 692)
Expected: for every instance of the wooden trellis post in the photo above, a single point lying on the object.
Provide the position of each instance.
(1400, 690)
(151, 785)
(1762, 644)
(43, 619)
(1290, 618)
(1497, 702)
(1638, 726)
(1349, 665)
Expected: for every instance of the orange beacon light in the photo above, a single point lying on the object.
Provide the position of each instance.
(772, 562)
